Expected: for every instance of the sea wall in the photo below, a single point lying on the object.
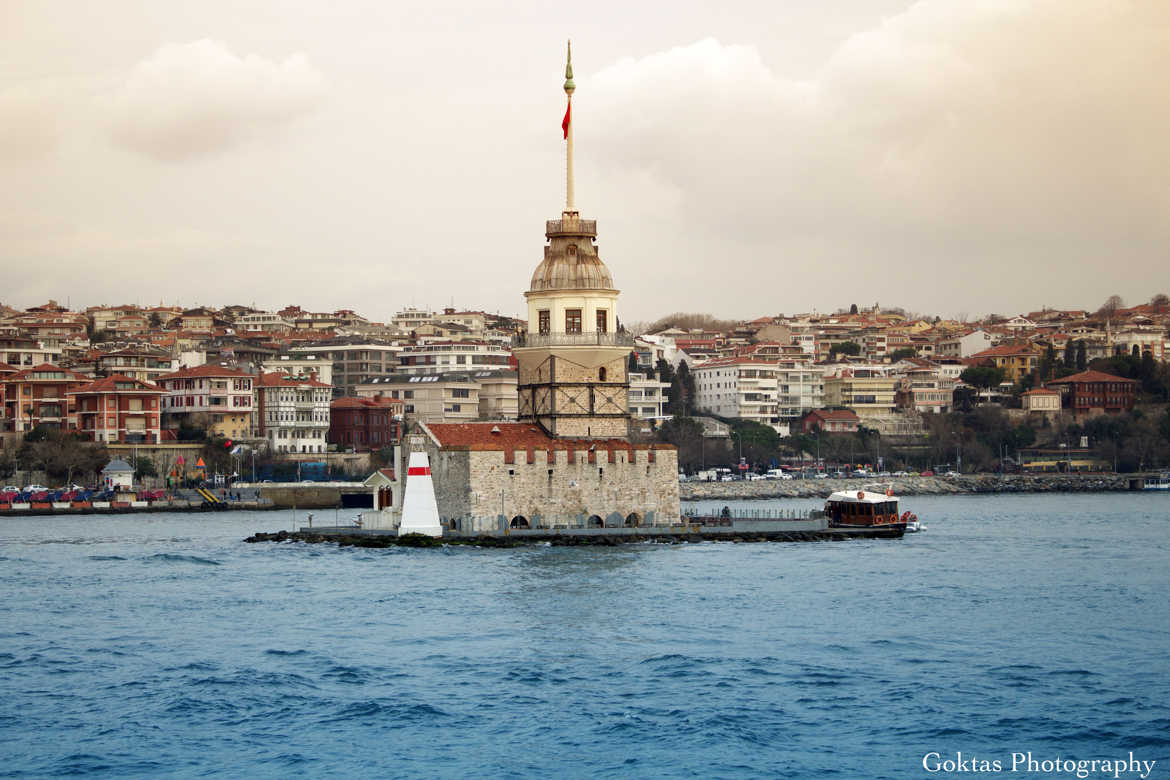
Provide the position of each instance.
(907, 486)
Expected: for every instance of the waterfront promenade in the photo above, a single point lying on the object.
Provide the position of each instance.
(910, 486)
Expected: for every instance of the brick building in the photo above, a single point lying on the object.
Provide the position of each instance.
(119, 409)
(364, 424)
(1095, 392)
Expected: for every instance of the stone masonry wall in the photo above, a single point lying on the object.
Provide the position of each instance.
(468, 487)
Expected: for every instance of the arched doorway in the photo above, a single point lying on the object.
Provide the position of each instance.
(519, 521)
(595, 521)
(633, 520)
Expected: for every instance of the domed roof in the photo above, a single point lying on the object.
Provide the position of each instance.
(570, 259)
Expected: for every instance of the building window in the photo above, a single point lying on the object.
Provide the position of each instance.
(543, 320)
(601, 374)
(572, 320)
(602, 321)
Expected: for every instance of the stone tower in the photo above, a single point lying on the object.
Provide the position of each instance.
(572, 378)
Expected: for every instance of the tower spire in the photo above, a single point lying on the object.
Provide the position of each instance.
(570, 87)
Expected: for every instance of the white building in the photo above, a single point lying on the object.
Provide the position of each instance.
(647, 397)
(301, 366)
(293, 412)
(966, 345)
(438, 357)
(800, 388)
(410, 318)
(263, 320)
(740, 387)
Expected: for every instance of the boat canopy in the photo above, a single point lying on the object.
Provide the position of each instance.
(870, 494)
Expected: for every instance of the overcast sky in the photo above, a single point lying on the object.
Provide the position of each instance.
(741, 158)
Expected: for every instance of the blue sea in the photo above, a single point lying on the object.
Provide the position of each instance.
(163, 645)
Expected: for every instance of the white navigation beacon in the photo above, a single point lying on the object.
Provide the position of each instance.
(420, 514)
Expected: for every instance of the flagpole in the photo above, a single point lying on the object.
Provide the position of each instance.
(570, 87)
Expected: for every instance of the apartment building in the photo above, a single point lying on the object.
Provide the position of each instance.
(364, 424)
(441, 356)
(119, 408)
(647, 398)
(869, 392)
(145, 365)
(353, 360)
(455, 396)
(739, 387)
(800, 387)
(39, 396)
(213, 396)
(293, 413)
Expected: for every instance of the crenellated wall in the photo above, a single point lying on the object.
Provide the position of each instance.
(563, 488)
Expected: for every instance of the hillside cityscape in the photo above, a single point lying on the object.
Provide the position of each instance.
(865, 387)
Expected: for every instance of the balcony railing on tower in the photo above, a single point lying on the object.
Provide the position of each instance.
(620, 339)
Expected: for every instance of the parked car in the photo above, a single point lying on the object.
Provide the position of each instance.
(927, 473)
(36, 489)
(752, 476)
(10, 489)
(901, 474)
(952, 474)
(820, 475)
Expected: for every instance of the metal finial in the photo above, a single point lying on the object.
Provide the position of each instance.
(569, 85)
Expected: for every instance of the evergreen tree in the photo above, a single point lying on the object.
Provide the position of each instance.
(1082, 355)
(1070, 354)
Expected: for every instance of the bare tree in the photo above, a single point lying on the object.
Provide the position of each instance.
(1111, 306)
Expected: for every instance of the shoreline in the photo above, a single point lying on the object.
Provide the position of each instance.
(966, 484)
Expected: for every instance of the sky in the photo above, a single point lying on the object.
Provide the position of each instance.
(951, 157)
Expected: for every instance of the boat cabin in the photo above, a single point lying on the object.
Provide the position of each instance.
(865, 507)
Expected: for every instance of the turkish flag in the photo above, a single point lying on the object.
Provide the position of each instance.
(565, 121)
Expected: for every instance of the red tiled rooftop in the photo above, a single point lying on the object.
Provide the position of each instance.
(1091, 376)
(478, 436)
(206, 370)
(278, 379)
(107, 385)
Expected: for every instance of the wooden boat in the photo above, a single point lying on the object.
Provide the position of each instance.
(873, 508)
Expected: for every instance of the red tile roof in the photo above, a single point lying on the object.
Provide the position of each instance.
(1091, 376)
(835, 414)
(278, 379)
(349, 402)
(107, 385)
(70, 376)
(479, 437)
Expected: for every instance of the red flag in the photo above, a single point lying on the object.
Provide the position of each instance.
(565, 121)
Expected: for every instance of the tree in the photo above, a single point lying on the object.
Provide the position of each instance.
(1070, 354)
(686, 433)
(632, 366)
(984, 377)
(1082, 355)
(853, 308)
(681, 393)
(665, 370)
(901, 354)
(1047, 363)
(144, 467)
(155, 320)
(1160, 301)
(844, 348)
(1111, 306)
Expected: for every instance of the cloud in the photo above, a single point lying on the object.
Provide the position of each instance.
(1007, 132)
(195, 99)
(28, 124)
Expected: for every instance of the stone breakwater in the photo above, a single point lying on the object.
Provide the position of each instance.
(906, 486)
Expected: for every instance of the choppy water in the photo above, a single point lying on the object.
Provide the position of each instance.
(137, 646)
